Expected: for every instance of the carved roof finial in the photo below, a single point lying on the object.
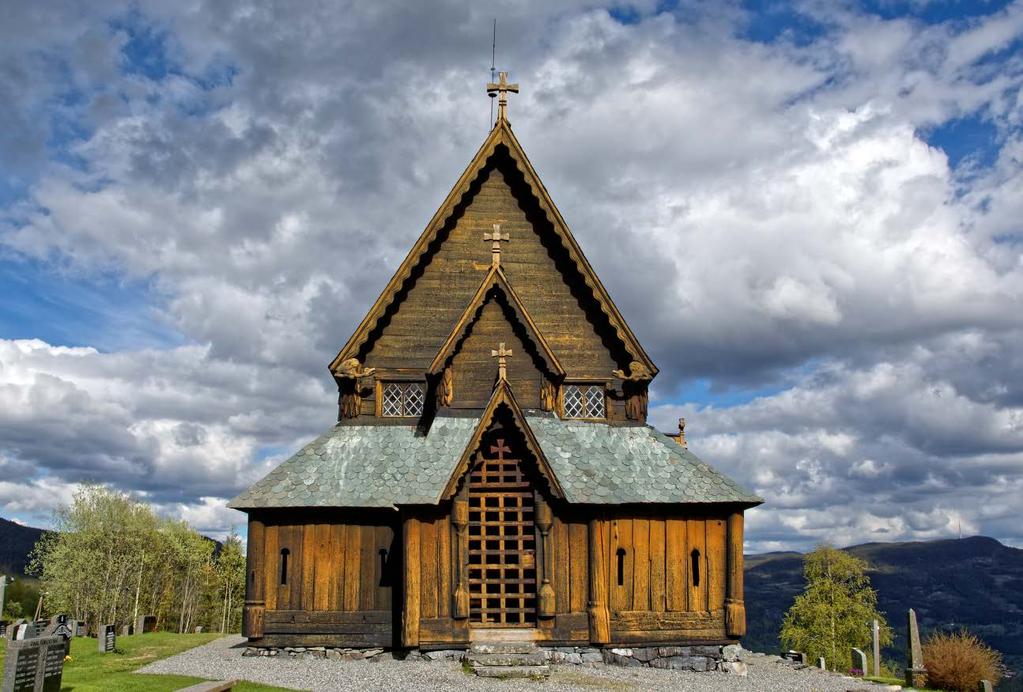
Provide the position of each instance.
(495, 239)
(682, 432)
(501, 353)
(500, 88)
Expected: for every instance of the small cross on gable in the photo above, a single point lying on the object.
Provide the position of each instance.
(500, 449)
(501, 89)
(495, 239)
(501, 353)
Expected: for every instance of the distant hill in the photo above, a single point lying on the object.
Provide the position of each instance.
(976, 583)
(16, 542)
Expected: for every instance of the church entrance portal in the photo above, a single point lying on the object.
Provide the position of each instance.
(502, 541)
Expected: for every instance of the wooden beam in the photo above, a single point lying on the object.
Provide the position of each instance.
(600, 617)
(735, 608)
(255, 603)
(412, 586)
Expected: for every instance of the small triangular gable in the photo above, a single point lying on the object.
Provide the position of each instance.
(501, 140)
(495, 279)
(502, 400)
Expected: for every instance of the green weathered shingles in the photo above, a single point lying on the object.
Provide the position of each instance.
(384, 466)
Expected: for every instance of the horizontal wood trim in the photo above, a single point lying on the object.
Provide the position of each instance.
(344, 640)
(443, 631)
(647, 620)
(328, 617)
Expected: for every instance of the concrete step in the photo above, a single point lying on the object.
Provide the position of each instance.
(502, 648)
(535, 658)
(506, 672)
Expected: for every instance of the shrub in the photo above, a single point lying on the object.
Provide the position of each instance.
(959, 661)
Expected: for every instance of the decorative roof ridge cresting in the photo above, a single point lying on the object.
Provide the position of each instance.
(500, 135)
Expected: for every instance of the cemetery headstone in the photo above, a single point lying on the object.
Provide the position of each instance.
(198, 629)
(80, 629)
(3, 630)
(876, 633)
(107, 638)
(126, 630)
(796, 656)
(12, 629)
(59, 627)
(916, 674)
(985, 686)
(27, 630)
(144, 624)
(34, 665)
(821, 664)
(859, 660)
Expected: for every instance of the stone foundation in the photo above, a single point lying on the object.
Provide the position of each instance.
(699, 658)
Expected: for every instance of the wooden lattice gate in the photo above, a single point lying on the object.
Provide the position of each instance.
(502, 542)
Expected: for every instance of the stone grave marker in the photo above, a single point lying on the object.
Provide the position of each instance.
(126, 630)
(859, 659)
(198, 629)
(875, 629)
(821, 664)
(12, 629)
(3, 630)
(796, 656)
(34, 665)
(59, 627)
(144, 624)
(107, 637)
(916, 674)
(985, 686)
(27, 630)
(80, 629)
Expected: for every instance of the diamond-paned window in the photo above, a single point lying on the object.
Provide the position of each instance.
(583, 401)
(402, 399)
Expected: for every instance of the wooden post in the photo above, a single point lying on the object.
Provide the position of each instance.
(460, 520)
(735, 608)
(410, 613)
(255, 600)
(544, 519)
(600, 617)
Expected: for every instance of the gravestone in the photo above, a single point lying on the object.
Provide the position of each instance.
(796, 656)
(985, 686)
(821, 664)
(59, 627)
(859, 660)
(12, 629)
(3, 629)
(80, 629)
(198, 629)
(876, 633)
(107, 637)
(126, 630)
(144, 624)
(916, 674)
(27, 630)
(34, 665)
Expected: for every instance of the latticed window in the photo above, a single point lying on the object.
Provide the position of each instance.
(583, 401)
(402, 399)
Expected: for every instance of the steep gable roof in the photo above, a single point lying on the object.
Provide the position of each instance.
(495, 278)
(500, 136)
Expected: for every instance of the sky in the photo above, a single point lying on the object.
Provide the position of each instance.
(809, 213)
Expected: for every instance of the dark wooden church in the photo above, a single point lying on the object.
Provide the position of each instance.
(492, 467)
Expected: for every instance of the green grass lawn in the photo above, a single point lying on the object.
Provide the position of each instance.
(89, 670)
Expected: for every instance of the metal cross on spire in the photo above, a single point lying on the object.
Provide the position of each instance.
(495, 239)
(501, 353)
(500, 88)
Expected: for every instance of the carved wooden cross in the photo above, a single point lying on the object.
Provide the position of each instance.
(502, 87)
(501, 353)
(500, 449)
(495, 239)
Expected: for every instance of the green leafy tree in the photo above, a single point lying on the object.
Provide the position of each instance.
(834, 612)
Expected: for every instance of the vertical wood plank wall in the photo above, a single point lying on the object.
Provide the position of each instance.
(657, 598)
(338, 585)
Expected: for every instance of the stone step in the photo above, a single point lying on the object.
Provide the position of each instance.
(506, 672)
(502, 648)
(535, 658)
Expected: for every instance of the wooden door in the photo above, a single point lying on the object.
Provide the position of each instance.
(502, 541)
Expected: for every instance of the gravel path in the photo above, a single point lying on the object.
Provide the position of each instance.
(222, 659)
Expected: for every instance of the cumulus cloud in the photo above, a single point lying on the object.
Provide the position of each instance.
(266, 173)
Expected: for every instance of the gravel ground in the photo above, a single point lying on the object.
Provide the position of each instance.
(222, 659)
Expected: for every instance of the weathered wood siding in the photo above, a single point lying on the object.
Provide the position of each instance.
(533, 262)
(653, 593)
(474, 368)
(340, 574)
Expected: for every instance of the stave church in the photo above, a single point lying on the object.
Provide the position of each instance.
(492, 475)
